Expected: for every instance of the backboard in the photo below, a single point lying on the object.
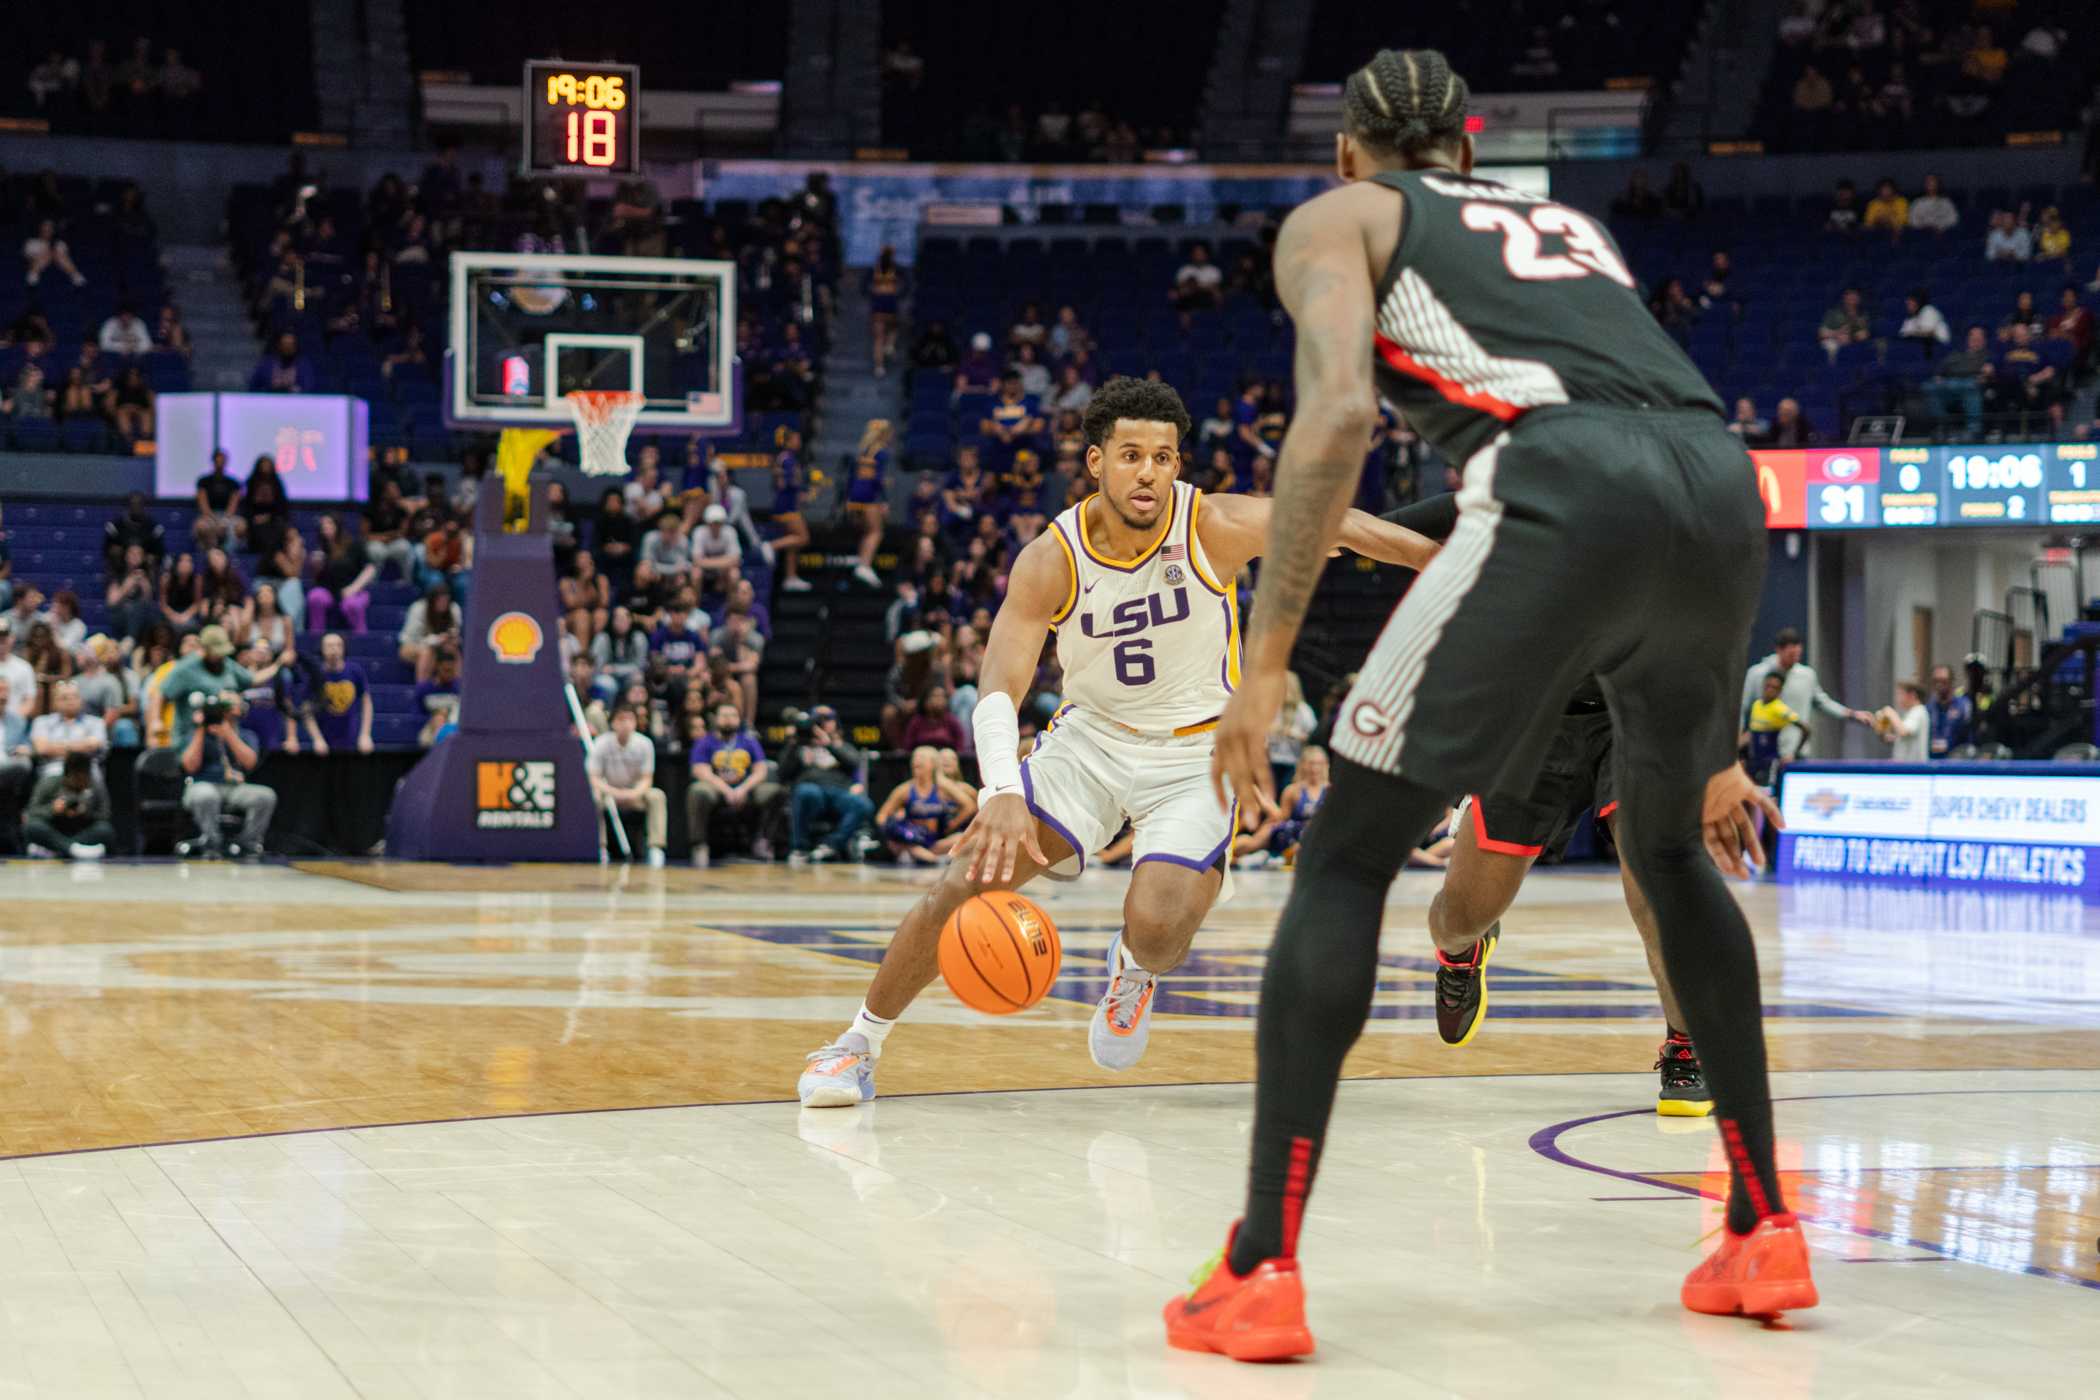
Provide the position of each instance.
(528, 328)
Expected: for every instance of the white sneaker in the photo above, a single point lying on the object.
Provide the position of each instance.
(656, 857)
(83, 850)
(798, 584)
(820, 854)
(798, 857)
(765, 552)
(866, 575)
(700, 857)
(1253, 860)
(761, 849)
(1123, 1021)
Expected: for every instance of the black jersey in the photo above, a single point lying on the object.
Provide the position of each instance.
(1497, 302)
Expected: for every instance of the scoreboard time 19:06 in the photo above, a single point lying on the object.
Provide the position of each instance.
(1868, 488)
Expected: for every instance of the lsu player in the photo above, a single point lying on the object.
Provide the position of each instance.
(1137, 583)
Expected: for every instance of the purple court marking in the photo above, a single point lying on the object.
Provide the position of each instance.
(1546, 1142)
(1636, 1198)
(1914, 1259)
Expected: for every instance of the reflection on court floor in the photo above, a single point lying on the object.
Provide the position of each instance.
(600, 1184)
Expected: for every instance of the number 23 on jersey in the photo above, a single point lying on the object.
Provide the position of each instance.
(1523, 238)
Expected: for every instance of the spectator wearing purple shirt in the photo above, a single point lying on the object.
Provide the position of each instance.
(730, 770)
(284, 370)
(681, 637)
(742, 598)
(341, 714)
(264, 713)
(438, 698)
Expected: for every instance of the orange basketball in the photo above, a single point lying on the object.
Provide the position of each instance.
(999, 953)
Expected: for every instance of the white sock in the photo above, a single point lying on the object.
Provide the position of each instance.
(874, 1028)
(1124, 962)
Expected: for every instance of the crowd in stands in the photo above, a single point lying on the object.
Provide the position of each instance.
(164, 70)
(1971, 314)
(1513, 45)
(1879, 74)
(147, 90)
(87, 331)
(1007, 87)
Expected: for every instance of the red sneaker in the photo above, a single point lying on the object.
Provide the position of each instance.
(1260, 1317)
(1761, 1273)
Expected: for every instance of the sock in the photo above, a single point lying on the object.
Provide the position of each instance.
(1316, 990)
(867, 1023)
(1712, 966)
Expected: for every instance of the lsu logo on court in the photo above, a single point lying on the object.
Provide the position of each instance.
(516, 638)
(514, 794)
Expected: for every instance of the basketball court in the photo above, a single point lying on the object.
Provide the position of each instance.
(424, 1130)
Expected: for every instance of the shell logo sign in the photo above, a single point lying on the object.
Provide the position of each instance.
(516, 638)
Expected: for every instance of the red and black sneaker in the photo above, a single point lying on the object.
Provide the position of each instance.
(1461, 989)
(1683, 1093)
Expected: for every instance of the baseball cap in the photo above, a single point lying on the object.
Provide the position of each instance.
(215, 642)
(714, 515)
(981, 341)
(822, 713)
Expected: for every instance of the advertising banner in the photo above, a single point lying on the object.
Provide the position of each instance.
(2032, 826)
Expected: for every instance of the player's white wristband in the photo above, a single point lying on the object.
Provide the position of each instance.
(998, 731)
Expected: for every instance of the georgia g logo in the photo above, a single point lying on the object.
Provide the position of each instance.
(1369, 719)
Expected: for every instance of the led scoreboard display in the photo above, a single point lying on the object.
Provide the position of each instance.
(582, 118)
(1876, 488)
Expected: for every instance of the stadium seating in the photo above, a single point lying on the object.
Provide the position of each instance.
(258, 78)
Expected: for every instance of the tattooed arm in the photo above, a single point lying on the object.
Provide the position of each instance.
(1323, 275)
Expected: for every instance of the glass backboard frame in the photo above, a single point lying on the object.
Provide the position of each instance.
(463, 411)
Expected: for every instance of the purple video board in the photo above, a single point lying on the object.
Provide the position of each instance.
(320, 442)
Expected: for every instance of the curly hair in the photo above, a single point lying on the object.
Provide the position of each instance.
(1405, 101)
(1140, 400)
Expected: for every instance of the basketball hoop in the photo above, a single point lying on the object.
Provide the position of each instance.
(604, 417)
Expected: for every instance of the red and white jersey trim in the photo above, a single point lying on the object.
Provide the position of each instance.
(1420, 338)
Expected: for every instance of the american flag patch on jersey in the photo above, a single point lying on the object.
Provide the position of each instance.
(1173, 552)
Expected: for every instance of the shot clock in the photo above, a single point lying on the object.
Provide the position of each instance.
(582, 118)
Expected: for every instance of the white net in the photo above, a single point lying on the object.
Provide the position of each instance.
(604, 417)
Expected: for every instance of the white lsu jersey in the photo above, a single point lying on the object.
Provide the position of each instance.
(1152, 643)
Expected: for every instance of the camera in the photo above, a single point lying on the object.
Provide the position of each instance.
(215, 712)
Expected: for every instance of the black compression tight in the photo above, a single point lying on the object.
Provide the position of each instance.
(1323, 968)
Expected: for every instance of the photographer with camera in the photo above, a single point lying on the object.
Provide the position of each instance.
(208, 673)
(69, 812)
(217, 759)
(823, 772)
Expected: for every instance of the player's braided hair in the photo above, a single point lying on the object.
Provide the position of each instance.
(1140, 400)
(1405, 101)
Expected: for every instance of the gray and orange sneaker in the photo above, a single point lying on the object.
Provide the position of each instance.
(841, 1075)
(1123, 1019)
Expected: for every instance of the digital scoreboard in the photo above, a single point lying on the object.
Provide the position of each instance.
(582, 118)
(1877, 488)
